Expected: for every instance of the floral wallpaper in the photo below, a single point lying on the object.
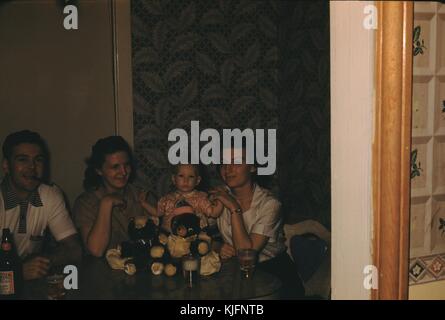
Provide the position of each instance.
(236, 64)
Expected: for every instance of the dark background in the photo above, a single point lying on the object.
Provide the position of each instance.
(237, 64)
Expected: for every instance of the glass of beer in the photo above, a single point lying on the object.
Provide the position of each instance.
(247, 260)
(55, 287)
(190, 269)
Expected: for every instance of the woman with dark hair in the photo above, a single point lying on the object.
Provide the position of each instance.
(102, 213)
(251, 220)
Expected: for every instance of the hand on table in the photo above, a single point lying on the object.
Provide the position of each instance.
(227, 251)
(35, 268)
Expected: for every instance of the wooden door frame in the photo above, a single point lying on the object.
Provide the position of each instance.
(392, 147)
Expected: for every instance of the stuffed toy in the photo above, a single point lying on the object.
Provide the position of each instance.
(161, 261)
(142, 229)
(185, 222)
(142, 233)
(185, 227)
(159, 252)
(210, 264)
(116, 262)
(179, 246)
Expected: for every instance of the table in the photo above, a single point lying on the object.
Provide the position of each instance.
(98, 281)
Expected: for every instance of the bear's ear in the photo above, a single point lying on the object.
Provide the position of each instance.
(140, 221)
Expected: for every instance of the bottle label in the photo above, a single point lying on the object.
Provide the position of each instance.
(6, 246)
(7, 283)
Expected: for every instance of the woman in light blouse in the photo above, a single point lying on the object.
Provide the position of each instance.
(252, 219)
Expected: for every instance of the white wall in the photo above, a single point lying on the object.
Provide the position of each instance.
(352, 113)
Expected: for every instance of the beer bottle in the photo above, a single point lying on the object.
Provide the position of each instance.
(10, 268)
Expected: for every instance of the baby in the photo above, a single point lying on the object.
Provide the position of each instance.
(185, 179)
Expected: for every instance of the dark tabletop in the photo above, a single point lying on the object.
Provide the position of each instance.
(98, 281)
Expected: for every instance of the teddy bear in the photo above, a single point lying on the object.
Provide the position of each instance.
(159, 252)
(133, 255)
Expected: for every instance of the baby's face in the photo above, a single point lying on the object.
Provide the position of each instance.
(186, 178)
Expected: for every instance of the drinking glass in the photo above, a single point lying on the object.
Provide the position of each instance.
(55, 287)
(247, 261)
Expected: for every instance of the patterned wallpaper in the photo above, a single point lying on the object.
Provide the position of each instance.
(236, 64)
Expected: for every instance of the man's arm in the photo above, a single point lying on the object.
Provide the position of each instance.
(67, 252)
(35, 267)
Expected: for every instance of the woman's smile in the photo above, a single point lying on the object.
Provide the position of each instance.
(116, 171)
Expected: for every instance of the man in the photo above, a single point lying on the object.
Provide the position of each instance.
(28, 206)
